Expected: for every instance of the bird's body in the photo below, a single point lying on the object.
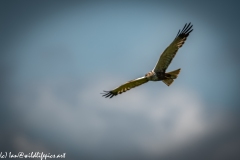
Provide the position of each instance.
(159, 71)
(157, 76)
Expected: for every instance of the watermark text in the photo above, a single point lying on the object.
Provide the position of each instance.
(40, 155)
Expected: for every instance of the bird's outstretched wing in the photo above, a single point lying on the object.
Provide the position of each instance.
(171, 50)
(125, 87)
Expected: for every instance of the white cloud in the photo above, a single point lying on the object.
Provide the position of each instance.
(155, 123)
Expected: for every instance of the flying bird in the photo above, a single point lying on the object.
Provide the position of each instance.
(159, 71)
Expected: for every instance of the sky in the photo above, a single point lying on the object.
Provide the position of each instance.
(58, 56)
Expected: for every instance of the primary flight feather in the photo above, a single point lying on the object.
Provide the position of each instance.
(159, 71)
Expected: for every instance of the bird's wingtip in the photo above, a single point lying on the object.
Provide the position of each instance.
(108, 94)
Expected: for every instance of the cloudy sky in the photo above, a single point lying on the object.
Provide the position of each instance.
(58, 56)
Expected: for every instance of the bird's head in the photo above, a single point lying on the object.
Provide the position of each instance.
(149, 74)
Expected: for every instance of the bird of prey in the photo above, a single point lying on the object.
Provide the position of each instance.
(159, 71)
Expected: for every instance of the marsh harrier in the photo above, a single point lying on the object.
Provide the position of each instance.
(159, 71)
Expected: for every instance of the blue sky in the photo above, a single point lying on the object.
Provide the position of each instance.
(57, 57)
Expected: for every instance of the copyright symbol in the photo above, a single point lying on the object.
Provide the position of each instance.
(20, 154)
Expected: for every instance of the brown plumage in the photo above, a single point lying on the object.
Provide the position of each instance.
(170, 52)
(159, 71)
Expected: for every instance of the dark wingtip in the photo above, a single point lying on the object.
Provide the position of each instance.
(187, 29)
(107, 94)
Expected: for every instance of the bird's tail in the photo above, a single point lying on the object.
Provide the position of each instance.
(173, 75)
